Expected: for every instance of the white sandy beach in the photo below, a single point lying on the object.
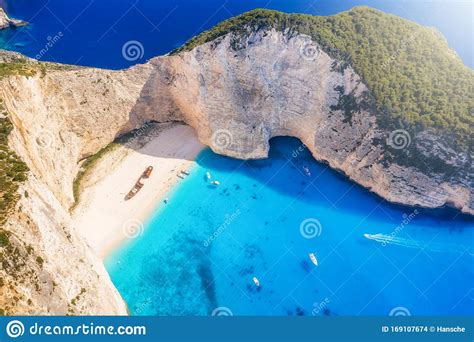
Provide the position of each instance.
(103, 217)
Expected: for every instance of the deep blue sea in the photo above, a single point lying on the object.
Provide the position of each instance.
(94, 31)
(199, 252)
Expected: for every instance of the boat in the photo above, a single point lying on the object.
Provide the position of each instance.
(147, 172)
(307, 171)
(136, 188)
(256, 281)
(208, 175)
(313, 258)
(184, 172)
(216, 183)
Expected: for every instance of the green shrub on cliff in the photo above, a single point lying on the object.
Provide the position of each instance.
(12, 171)
(416, 79)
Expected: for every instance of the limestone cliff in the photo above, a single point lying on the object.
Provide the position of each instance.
(6, 21)
(282, 84)
(275, 83)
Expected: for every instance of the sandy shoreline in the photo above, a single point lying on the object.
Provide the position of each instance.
(103, 217)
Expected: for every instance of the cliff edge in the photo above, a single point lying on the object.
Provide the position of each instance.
(6, 22)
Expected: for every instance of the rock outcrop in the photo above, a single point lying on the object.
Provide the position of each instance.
(6, 22)
(274, 84)
(280, 84)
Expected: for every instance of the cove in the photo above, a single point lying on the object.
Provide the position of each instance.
(200, 251)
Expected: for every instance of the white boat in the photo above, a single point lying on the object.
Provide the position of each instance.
(216, 183)
(256, 281)
(307, 171)
(208, 175)
(313, 258)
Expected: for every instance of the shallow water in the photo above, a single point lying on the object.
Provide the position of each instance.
(199, 253)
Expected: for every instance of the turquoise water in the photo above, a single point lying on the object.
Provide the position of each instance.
(201, 250)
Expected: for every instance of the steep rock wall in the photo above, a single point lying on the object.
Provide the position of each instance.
(238, 92)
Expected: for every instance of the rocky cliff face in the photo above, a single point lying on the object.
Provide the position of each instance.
(6, 22)
(237, 92)
(240, 92)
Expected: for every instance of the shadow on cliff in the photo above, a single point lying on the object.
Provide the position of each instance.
(292, 171)
(176, 140)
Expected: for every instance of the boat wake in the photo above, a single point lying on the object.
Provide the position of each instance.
(426, 245)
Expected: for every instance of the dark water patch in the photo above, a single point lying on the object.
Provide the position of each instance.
(246, 271)
(306, 266)
(207, 283)
(335, 186)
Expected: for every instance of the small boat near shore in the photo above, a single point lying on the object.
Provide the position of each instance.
(313, 258)
(208, 175)
(138, 184)
(256, 281)
(307, 171)
(216, 183)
